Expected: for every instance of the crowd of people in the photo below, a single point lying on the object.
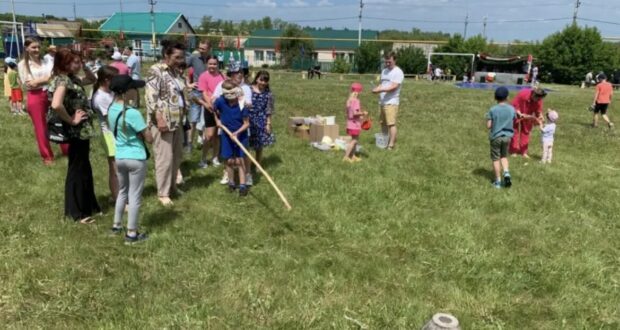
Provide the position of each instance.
(214, 104)
(221, 112)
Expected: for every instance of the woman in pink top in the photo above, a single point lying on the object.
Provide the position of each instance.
(354, 122)
(207, 82)
(122, 68)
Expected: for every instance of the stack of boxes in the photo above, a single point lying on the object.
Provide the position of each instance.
(313, 132)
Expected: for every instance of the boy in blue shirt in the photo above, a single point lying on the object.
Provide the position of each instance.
(231, 115)
(500, 124)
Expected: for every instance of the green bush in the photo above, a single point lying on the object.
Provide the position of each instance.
(341, 66)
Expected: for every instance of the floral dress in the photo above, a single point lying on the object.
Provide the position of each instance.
(75, 98)
(262, 107)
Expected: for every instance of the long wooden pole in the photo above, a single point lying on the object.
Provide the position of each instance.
(260, 168)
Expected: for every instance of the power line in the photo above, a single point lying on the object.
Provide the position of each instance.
(597, 21)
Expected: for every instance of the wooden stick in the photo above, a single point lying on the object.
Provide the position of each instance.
(260, 168)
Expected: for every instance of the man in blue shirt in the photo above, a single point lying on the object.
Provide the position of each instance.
(499, 123)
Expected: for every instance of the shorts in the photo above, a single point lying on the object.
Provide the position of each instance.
(388, 114)
(109, 143)
(499, 147)
(195, 109)
(229, 149)
(16, 95)
(353, 132)
(209, 118)
(601, 108)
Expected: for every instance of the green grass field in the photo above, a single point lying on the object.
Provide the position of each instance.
(387, 242)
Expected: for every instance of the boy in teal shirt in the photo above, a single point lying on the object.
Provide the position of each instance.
(500, 124)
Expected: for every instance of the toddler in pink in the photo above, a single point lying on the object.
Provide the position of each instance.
(354, 122)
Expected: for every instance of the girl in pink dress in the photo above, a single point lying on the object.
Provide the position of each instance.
(354, 122)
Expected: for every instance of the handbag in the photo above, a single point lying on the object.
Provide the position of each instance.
(57, 131)
(146, 150)
(367, 124)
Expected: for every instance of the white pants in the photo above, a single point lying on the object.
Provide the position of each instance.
(547, 151)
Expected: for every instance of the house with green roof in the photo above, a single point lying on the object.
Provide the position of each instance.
(262, 46)
(138, 29)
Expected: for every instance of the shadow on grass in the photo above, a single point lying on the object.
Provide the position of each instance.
(161, 217)
(274, 213)
(484, 173)
(271, 161)
(198, 181)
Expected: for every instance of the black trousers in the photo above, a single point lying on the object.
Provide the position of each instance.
(80, 200)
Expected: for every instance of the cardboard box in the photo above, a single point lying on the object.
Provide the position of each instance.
(301, 132)
(317, 132)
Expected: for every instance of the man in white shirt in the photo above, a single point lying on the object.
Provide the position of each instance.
(389, 96)
(135, 68)
(49, 57)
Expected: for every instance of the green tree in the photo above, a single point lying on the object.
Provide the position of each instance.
(291, 45)
(341, 66)
(411, 60)
(566, 56)
(368, 57)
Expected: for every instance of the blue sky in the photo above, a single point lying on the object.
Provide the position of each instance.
(507, 19)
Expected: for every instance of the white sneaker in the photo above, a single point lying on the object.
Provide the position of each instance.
(215, 162)
(203, 164)
(199, 139)
(249, 180)
(224, 178)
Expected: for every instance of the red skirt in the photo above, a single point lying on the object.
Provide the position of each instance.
(16, 95)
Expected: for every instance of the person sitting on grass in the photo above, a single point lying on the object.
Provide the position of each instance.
(354, 122)
(499, 123)
(602, 99)
(547, 135)
(237, 121)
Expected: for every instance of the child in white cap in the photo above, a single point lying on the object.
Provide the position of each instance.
(548, 130)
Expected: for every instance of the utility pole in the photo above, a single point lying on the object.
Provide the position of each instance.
(466, 23)
(74, 12)
(577, 4)
(359, 32)
(15, 37)
(154, 39)
(484, 27)
(122, 16)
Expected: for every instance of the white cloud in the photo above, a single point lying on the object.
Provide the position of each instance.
(296, 3)
(260, 3)
(324, 3)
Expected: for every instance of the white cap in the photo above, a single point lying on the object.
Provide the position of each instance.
(117, 56)
(8, 60)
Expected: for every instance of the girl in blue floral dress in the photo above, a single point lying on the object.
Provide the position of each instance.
(261, 134)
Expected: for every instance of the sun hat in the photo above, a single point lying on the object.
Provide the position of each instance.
(117, 56)
(553, 116)
(501, 93)
(120, 84)
(356, 87)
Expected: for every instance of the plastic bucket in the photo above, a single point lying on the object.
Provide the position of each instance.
(381, 140)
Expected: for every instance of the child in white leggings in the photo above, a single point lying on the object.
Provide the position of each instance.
(548, 130)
